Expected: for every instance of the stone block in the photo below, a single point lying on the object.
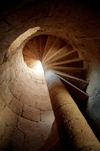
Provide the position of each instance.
(32, 85)
(47, 116)
(33, 141)
(44, 105)
(12, 72)
(7, 73)
(44, 128)
(2, 103)
(9, 117)
(45, 98)
(12, 139)
(13, 85)
(25, 125)
(5, 141)
(29, 99)
(43, 90)
(17, 140)
(16, 106)
(31, 113)
(2, 73)
(2, 126)
(6, 93)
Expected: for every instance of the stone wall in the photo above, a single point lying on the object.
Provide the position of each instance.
(19, 85)
(26, 115)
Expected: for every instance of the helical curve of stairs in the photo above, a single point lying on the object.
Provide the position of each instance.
(63, 59)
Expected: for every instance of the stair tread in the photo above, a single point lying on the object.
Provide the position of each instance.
(28, 53)
(32, 44)
(58, 44)
(78, 93)
(61, 51)
(80, 83)
(30, 62)
(28, 57)
(67, 68)
(68, 56)
(77, 72)
(49, 43)
(43, 40)
(69, 63)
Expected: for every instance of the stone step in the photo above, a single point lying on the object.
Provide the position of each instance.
(28, 53)
(49, 43)
(30, 62)
(60, 52)
(43, 40)
(81, 84)
(69, 63)
(34, 47)
(58, 44)
(77, 93)
(27, 57)
(77, 72)
(37, 43)
(68, 56)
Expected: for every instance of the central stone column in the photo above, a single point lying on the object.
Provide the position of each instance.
(74, 132)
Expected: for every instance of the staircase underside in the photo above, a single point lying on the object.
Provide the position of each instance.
(67, 63)
(63, 59)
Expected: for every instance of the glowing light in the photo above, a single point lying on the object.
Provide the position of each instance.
(39, 67)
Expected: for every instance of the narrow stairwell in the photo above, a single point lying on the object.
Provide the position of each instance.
(65, 61)
(61, 57)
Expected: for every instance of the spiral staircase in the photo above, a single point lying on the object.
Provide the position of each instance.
(63, 59)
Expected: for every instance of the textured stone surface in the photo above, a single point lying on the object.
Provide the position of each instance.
(31, 113)
(73, 130)
(33, 140)
(2, 103)
(47, 116)
(44, 128)
(25, 125)
(5, 92)
(12, 139)
(2, 127)
(9, 117)
(43, 91)
(29, 99)
(44, 105)
(80, 19)
(13, 85)
(16, 106)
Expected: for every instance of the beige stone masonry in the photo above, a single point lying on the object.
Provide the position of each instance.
(9, 117)
(31, 113)
(47, 116)
(33, 140)
(44, 128)
(73, 130)
(44, 105)
(25, 125)
(2, 103)
(6, 93)
(29, 99)
(16, 106)
(2, 127)
(12, 138)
